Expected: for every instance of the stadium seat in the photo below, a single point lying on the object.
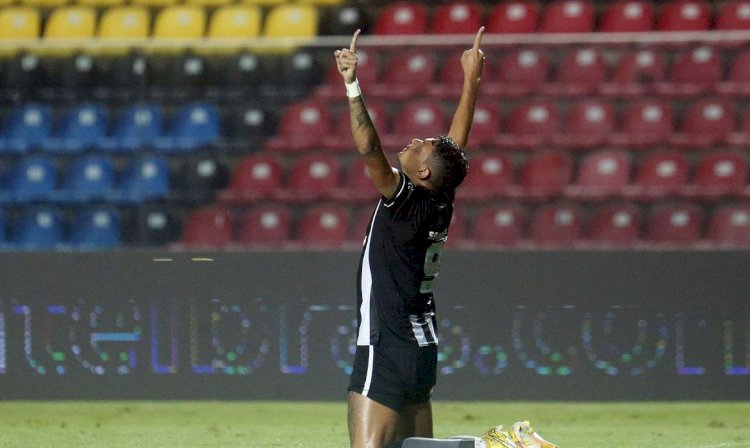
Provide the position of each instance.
(322, 3)
(357, 185)
(194, 125)
(684, 15)
(38, 229)
(705, 123)
(121, 75)
(556, 225)
(513, 17)
(674, 224)
(31, 179)
(345, 19)
(659, 175)
(403, 17)
(265, 226)
(79, 129)
(44, 4)
(69, 22)
(176, 23)
(737, 80)
(340, 138)
(693, 72)
(406, 74)
(302, 126)
(587, 124)
(530, 124)
(153, 227)
(729, 225)
(416, 119)
(645, 122)
(3, 230)
(368, 75)
(290, 20)
(518, 73)
(156, 4)
(300, 72)
(499, 225)
(733, 15)
(601, 174)
(70, 78)
(200, 178)
(144, 178)
(95, 229)
(88, 179)
(323, 226)
(486, 124)
(490, 176)
(635, 73)
(123, 22)
(19, 22)
(580, 72)
(567, 16)
(719, 174)
(311, 177)
(180, 77)
(25, 128)
(255, 177)
(449, 79)
(136, 127)
(615, 225)
(235, 22)
(247, 127)
(462, 17)
(545, 174)
(208, 227)
(101, 4)
(628, 16)
(264, 3)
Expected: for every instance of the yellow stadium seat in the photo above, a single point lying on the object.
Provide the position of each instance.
(7, 2)
(209, 3)
(232, 27)
(68, 22)
(18, 23)
(44, 3)
(292, 20)
(263, 2)
(101, 3)
(178, 22)
(123, 22)
(321, 2)
(155, 3)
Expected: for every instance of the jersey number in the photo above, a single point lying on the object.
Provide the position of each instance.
(431, 266)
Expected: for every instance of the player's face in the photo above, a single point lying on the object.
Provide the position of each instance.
(415, 155)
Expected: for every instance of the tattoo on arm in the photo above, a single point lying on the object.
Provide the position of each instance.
(363, 130)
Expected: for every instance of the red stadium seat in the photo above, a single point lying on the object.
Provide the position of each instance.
(729, 225)
(489, 176)
(486, 124)
(311, 177)
(684, 15)
(635, 73)
(588, 124)
(674, 224)
(580, 72)
(530, 124)
(323, 226)
(254, 178)
(546, 174)
(694, 72)
(404, 17)
(659, 175)
(568, 16)
(302, 126)
(518, 73)
(628, 16)
(265, 226)
(733, 15)
(210, 227)
(645, 123)
(719, 174)
(450, 76)
(406, 74)
(602, 173)
(737, 81)
(705, 123)
(513, 17)
(556, 225)
(615, 225)
(341, 134)
(416, 119)
(462, 17)
(499, 225)
(357, 185)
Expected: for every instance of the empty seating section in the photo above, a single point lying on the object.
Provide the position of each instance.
(217, 124)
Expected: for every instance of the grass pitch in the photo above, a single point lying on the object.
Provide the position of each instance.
(188, 424)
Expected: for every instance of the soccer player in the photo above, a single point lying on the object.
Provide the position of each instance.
(396, 357)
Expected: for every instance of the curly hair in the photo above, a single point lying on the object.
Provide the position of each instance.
(450, 164)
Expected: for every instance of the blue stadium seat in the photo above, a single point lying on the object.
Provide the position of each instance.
(38, 229)
(144, 179)
(79, 129)
(3, 229)
(89, 178)
(135, 128)
(95, 229)
(193, 126)
(31, 179)
(25, 128)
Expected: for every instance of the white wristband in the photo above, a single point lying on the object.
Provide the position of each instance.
(352, 89)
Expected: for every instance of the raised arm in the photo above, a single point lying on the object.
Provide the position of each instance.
(472, 63)
(366, 138)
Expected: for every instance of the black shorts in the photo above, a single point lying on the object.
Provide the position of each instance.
(394, 376)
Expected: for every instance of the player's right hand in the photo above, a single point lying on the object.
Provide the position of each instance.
(346, 60)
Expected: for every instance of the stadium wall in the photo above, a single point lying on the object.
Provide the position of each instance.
(537, 325)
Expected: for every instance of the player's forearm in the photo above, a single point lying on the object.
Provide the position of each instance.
(366, 138)
(464, 115)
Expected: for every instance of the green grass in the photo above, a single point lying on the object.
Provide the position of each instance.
(188, 424)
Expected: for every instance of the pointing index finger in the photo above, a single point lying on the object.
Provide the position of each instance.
(353, 45)
(478, 39)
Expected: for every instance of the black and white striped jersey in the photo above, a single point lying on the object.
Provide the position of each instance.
(399, 265)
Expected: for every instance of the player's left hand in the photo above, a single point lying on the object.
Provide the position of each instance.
(346, 60)
(472, 61)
